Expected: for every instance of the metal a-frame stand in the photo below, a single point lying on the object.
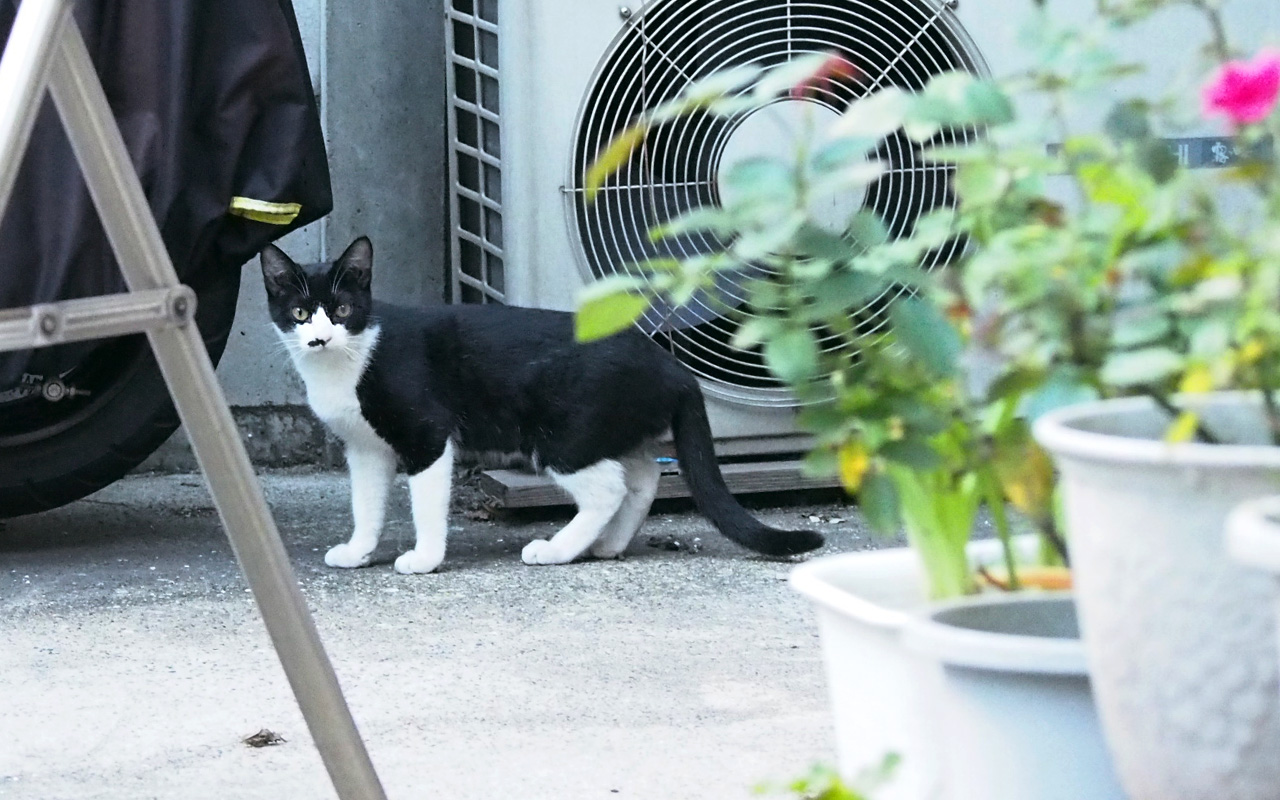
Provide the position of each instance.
(46, 50)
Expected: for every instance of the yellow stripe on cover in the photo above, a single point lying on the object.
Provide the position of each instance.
(263, 211)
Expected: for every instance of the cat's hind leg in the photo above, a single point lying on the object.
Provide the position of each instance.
(599, 491)
(642, 475)
(372, 471)
(429, 497)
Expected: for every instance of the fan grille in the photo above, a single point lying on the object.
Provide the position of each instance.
(673, 43)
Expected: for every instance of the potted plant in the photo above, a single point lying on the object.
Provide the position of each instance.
(1137, 282)
(1163, 284)
(893, 414)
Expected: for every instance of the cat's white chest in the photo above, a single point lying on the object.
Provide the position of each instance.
(331, 379)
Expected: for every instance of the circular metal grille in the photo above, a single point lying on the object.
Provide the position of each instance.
(670, 44)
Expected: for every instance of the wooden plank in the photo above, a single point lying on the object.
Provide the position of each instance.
(786, 444)
(513, 489)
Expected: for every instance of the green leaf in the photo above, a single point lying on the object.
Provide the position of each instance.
(808, 270)
(1128, 121)
(719, 84)
(614, 156)
(922, 418)
(814, 242)
(921, 131)
(768, 241)
(876, 115)
(853, 176)
(1143, 367)
(878, 500)
(820, 463)
(842, 291)
(954, 154)
(927, 335)
(790, 75)
(732, 105)
(661, 265)
(1013, 383)
(702, 219)
(987, 103)
(1133, 331)
(792, 355)
(756, 330)
(980, 182)
(867, 229)
(756, 178)
(1062, 388)
(1158, 160)
(1210, 338)
(607, 306)
(606, 314)
(949, 86)
(841, 152)
(1118, 185)
(935, 228)
(913, 453)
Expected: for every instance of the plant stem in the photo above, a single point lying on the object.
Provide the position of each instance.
(1049, 531)
(1221, 50)
(1273, 416)
(995, 502)
(1203, 434)
(1269, 404)
(993, 580)
(1058, 114)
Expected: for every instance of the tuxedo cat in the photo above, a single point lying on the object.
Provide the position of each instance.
(420, 385)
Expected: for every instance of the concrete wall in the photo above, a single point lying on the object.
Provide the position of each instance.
(378, 72)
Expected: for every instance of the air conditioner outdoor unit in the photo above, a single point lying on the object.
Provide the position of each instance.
(538, 87)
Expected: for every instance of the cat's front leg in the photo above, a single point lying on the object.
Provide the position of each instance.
(429, 495)
(372, 472)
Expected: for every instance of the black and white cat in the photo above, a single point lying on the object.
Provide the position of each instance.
(418, 386)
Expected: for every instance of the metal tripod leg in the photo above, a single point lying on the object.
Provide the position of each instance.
(118, 196)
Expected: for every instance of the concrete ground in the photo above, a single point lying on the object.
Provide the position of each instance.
(133, 660)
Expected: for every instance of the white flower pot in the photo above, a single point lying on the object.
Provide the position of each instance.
(1014, 709)
(1253, 539)
(863, 601)
(1180, 640)
(885, 698)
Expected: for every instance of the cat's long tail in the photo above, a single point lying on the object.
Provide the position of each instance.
(696, 452)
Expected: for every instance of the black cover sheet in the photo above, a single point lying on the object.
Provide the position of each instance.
(214, 100)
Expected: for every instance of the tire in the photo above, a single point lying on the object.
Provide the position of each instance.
(66, 453)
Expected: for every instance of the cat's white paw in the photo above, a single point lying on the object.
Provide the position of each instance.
(606, 550)
(541, 551)
(417, 562)
(346, 556)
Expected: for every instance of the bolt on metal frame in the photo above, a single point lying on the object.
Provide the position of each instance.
(45, 50)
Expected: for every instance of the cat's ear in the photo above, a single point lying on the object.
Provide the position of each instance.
(277, 269)
(357, 261)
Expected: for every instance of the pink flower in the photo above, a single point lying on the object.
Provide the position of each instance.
(1244, 91)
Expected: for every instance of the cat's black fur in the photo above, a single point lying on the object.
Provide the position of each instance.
(513, 380)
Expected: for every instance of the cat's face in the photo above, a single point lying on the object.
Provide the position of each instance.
(320, 308)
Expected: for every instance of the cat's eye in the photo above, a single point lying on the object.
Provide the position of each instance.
(343, 311)
(301, 314)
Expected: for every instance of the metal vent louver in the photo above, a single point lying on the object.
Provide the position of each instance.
(475, 162)
(669, 44)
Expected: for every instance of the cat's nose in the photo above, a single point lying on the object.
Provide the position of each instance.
(318, 342)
